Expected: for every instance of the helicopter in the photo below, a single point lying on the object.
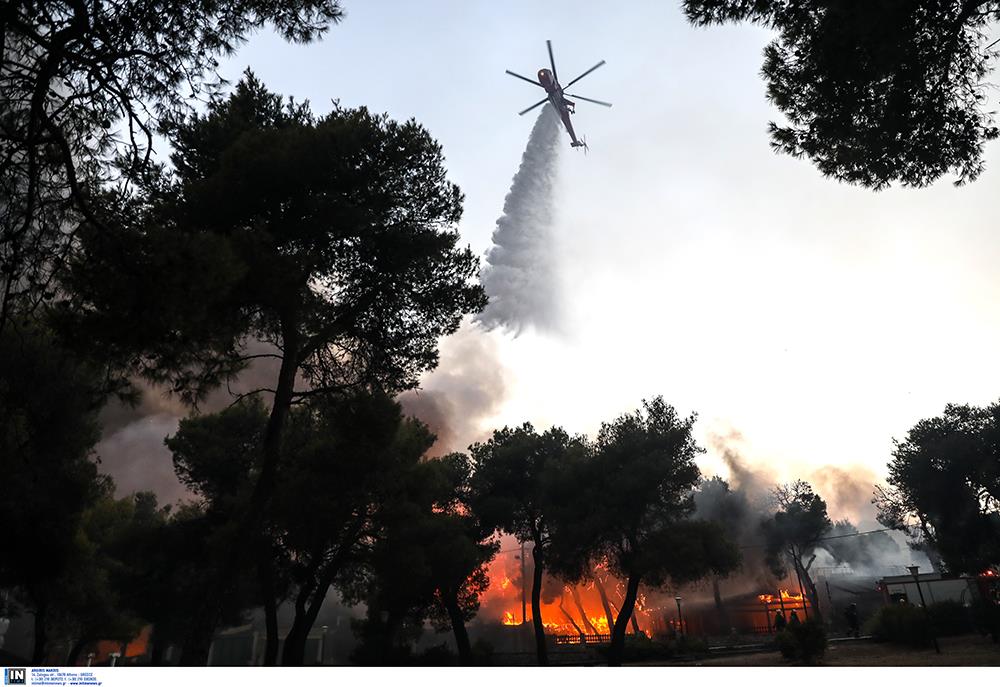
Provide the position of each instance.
(555, 94)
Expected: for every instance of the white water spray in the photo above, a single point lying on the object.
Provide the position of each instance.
(519, 276)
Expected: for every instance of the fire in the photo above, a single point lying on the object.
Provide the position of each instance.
(578, 609)
(785, 596)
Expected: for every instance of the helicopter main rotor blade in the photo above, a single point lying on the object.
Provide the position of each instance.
(599, 64)
(589, 100)
(552, 61)
(540, 102)
(524, 78)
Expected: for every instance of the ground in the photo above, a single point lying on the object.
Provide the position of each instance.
(967, 650)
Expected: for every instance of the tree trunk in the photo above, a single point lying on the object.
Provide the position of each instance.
(270, 611)
(271, 632)
(157, 645)
(295, 641)
(458, 627)
(562, 609)
(41, 637)
(617, 647)
(74, 653)
(310, 600)
(536, 605)
(583, 612)
(807, 588)
(720, 609)
(604, 602)
(219, 591)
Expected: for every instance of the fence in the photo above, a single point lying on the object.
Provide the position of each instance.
(582, 639)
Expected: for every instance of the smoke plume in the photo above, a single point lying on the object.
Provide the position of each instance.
(465, 390)
(519, 276)
(131, 449)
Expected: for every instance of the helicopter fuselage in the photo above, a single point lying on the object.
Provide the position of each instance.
(563, 106)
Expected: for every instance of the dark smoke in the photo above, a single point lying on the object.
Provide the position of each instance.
(754, 481)
(131, 449)
(848, 495)
(467, 388)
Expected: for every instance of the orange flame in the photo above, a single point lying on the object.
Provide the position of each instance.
(785, 596)
(503, 601)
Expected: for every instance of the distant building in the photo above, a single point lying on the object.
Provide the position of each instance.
(936, 587)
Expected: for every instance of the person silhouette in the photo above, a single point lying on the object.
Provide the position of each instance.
(779, 621)
(853, 622)
(793, 619)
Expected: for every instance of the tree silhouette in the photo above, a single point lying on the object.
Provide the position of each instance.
(634, 512)
(91, 600)
(217, 457)
(944, 487)
(427, 561)
(346, 457)
(331, 239)
(86, 86)
(514, 476)
(48, 428)
(792, 533)
(730, 510)
(878, 91)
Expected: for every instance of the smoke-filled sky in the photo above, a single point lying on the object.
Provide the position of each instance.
(816, 320)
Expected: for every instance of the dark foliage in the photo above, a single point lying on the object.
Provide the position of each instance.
(427, 560)
(331, 239)
(900, 624)
(878, 91)
(792, 533)
(944, 487)
(949, 618)
(805, 642)
(48, 428)
(631, 510)
(518, 477)
(84, 87)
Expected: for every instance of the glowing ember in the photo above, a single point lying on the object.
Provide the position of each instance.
(785, 596)
(505, 582)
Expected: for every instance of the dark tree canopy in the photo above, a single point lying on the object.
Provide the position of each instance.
(330, 239)
(515, 488)
(48, 429)
(878, 91)
(944, 487)
(84, 87)
(633, 510)
(427, 560)
(793, 532)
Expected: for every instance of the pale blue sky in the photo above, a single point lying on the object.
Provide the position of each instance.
(817, 319)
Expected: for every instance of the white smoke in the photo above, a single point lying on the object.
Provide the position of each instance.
(519, 276)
